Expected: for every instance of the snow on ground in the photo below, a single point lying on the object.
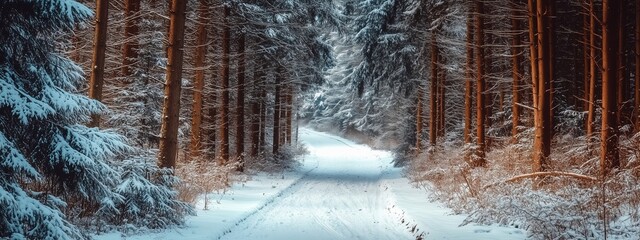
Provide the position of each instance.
(342, 191)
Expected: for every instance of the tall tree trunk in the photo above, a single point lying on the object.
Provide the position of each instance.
(224, 87)
(171, 109)
(636, 107)
(468, 99)
(130, 47)
(551, 9)
(441, 100)
(609, 158)
(585, 60)
(263, 119)
(276, 111)
(592, 70)
(96, 81)
(542, 140)
(433, 111)
(255, 109)
(480, 85)
(620, 91)
(516, 72)
(198, 82)
(240, 102)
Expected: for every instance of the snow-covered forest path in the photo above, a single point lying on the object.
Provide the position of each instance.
(340, 198)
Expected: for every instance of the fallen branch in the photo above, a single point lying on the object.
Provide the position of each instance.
(544, 174)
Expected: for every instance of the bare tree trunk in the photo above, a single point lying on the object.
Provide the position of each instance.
(468, 99)
(263, 119)
(433, 112)
(551, 9)
(442, 107)
(96, 81)
(542, 140)
(224, 87)
(130, 47)
(620, 91)
(585, 60)
(516, 72)
(609, 156)
(171, 109)
(240, 102)
(592, 70)
(255, 110)
(198, 83)
(636, 107)
(480, 86)
(276, 112)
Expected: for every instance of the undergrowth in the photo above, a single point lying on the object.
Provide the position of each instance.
(551, 207)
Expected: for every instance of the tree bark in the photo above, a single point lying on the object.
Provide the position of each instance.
(255, 110)
(468, 99)
(276, 111)
(240, 102)
(480, 86)
(224, 87)
(542, 141)
(433, 111)
(172, 88)
(130, 47)
(609, 155)
(592, 70)
(198, 82)
(636, 107)
(516, 60)
(96, 81)
(441, 100)
(585, 60)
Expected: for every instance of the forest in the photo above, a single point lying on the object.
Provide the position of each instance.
(123, 114)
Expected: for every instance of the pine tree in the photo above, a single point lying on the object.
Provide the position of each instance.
(43, 141)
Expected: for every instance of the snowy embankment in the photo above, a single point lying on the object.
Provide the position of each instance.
(342, 191)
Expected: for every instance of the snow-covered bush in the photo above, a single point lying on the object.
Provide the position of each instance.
(145, 196)
(552, 207)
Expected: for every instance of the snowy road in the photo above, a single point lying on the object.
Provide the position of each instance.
(341, 198)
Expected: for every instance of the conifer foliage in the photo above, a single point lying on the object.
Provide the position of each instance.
(47, 155)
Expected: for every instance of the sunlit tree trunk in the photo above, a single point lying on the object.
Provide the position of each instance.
(592, 70)
(130, 46)
(198, 82)
(542, 140)
(609, 155)
(96, 81)
(172, 88)
(480, 86)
